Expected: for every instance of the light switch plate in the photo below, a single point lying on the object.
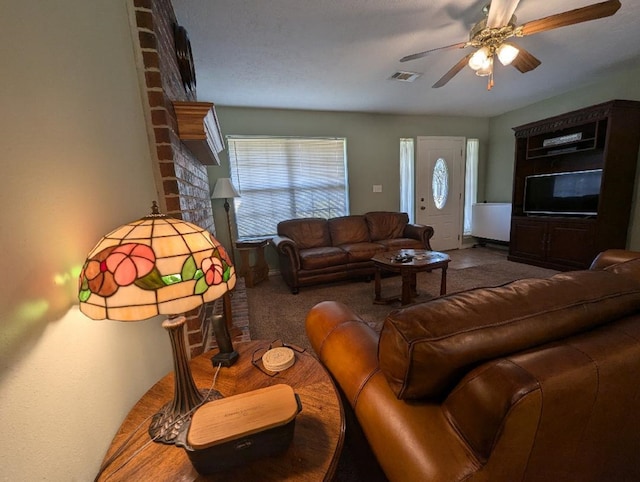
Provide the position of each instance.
(377, 188)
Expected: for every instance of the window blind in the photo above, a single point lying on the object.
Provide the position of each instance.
(281, 178)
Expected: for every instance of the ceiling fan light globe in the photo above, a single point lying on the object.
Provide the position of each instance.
(507, 53)
(486, 69)
(479, 59)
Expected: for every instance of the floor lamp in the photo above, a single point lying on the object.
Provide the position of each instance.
(224, 190)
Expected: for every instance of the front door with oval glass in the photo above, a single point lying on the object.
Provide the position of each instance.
(439, 187)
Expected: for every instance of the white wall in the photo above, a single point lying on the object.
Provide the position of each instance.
(75, 164)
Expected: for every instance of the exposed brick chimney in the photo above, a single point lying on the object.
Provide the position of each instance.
(181, 179)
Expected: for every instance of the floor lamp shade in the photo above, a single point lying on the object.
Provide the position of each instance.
(224, 189)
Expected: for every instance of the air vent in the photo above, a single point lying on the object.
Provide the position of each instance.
(405, 76)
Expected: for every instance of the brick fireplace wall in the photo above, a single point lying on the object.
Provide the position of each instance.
(181, 179)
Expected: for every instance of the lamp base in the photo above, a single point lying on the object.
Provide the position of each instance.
(167, 424)
(172, 418)
(224, 359)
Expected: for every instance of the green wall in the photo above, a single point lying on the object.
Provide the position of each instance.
(499, 166)
(373, 146)
(373, 142)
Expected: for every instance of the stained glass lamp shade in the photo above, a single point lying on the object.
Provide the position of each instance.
(158, 265)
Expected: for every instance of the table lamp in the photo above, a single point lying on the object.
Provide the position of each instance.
(159, 265)
(224, 190)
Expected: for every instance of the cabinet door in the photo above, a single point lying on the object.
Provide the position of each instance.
(571, 243)
(528, 238)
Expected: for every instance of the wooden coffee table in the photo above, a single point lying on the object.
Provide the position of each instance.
(420, 260)
(312, 456)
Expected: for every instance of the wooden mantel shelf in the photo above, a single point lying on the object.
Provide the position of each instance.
(199, 130)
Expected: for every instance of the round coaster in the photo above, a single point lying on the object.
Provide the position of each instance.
(278, 359)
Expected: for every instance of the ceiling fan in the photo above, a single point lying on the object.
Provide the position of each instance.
(489, 37)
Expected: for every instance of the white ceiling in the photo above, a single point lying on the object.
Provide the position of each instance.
(338, 55)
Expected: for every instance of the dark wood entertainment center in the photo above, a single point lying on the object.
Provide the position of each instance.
(604, 136)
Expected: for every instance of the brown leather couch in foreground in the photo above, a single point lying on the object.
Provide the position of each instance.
(315, 250)
(535, 380)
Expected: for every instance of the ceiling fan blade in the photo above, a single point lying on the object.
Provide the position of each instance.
(500, 12)
(419, 55)
(454, 70)
(525, 61)
(571, 17)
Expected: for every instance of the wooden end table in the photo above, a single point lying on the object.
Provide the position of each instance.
(312, 456)
(257, 272)
(421, 260)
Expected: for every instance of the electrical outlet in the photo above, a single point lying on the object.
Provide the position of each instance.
(377, 188)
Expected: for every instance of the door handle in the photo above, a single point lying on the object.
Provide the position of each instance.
(422, 208)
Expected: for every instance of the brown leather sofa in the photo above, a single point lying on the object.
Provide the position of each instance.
(535, 380)
(315, 250)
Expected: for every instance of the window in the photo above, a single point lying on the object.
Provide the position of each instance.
(282, 178)
(440, 183)
(470, 182)
(406, 178)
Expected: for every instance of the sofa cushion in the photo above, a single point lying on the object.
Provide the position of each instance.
(362, 251)
(426, 348)
(318, 258)
(348, 230)
(386, 225)
(306, 232)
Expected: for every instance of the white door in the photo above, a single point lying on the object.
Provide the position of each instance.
(439, 188)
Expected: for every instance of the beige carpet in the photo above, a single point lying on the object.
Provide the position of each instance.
(275, 313)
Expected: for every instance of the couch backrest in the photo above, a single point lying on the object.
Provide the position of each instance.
(566, 410)
(386, 225)
(425, 349)
(629, 267)
(348, 230)
(306, 232)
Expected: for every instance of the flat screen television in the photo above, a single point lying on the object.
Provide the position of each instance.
(563, 193)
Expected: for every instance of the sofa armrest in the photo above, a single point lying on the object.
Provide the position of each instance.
(289, 257)
(420, 232)
(345, 344)
(411, 441)
(613, 256)
(287, 246)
